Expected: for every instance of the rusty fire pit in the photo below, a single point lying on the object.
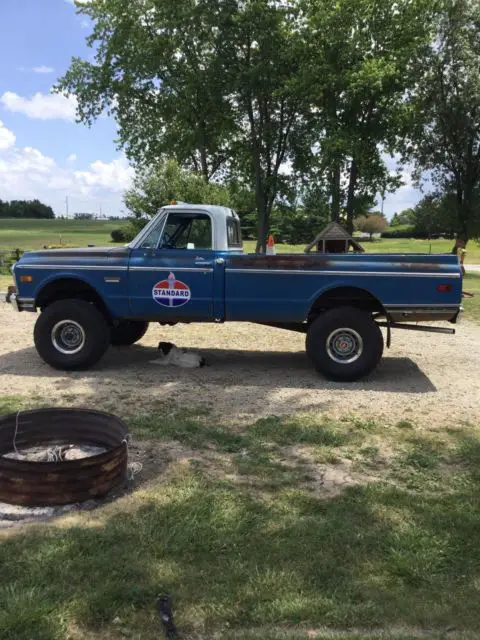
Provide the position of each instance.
(41, 483)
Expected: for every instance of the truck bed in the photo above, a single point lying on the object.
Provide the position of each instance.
(407, 286)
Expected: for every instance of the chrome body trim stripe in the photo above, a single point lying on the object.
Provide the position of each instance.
(91, 267)
(396, 307)
(75, 267)
(410, 274)
(171, 268)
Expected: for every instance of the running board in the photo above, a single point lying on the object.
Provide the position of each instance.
(416, 327)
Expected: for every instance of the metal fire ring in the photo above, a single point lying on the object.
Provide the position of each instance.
(33, 483)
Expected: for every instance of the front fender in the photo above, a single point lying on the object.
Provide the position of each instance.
(93, 280)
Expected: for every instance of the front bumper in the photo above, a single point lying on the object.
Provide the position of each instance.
(19, 304)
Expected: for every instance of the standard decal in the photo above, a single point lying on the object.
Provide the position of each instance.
(171, 292)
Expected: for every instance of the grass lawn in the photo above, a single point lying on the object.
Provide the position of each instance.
(252, 537)
(472, 305)
(5, 280)
(34, 234)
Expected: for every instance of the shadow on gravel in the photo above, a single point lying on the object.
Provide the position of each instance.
(267, 369)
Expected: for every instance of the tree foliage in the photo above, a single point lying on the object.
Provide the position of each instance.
(210, 83)
(435, 215)
(168, 182)
(371, 224)
(445, 115)
(282, 99)
(360, 67)
(25, 209)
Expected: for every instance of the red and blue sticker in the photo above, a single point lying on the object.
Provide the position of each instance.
(171, 292)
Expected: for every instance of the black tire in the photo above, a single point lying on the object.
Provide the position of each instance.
(347, 355)
(76, 327)
(128, 332)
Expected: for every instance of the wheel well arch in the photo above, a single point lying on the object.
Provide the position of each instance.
(343, 296)
(67, 287)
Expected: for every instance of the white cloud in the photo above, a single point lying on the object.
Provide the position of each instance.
(112, 175)
(41, 106)
(43, 69)
(26, 173)
(7, 137)
(40, 69)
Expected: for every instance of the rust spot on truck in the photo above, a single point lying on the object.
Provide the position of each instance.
(280, 262)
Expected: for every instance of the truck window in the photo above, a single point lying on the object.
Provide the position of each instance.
(234, 233)
(151, 241)
(187, 230)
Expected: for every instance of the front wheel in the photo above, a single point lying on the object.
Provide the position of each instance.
(71, 334)
(128, 332)
(344, 344)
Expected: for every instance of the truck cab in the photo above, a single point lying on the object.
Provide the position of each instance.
(188, 242)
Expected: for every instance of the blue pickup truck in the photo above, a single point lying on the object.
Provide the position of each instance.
(188, 265)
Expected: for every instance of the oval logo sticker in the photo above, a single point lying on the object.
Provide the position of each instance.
(171, 292)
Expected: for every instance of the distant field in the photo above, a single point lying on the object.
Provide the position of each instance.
(33, 234)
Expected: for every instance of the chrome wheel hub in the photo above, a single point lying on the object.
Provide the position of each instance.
(344, 345)
(68, 337)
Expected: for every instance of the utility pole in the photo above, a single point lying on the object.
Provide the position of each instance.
(66, 206)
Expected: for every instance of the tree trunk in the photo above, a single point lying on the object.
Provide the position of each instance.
(352, 183)
(262, 230)
(261, 201)
(335, 192)
(204, 164)
(462, 215)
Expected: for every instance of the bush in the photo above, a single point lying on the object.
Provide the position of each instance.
(129, 230)
(411, 232)
(117, 235)
(398, 233)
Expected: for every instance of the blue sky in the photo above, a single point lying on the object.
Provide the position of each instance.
(43, 153)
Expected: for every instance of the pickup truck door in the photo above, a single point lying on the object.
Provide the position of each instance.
(171, 273)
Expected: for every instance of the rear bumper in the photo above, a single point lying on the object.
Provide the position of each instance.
(424, 314)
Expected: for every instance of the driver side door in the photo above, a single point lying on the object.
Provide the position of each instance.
(171, 274)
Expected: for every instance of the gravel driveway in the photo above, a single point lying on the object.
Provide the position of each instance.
(254, 371)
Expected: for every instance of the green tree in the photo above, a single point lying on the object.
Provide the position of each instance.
(25, 209)
(374, 223)
(407, 216)
(168, 182)
(361, 56)
(158, 69)
(266, 52)
(211, 83)
(435, 214)
(445, 139)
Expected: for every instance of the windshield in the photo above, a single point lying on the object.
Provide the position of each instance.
(145, 232)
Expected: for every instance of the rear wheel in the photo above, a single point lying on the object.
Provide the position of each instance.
(71, 334)
(128, 332)
(344, 344)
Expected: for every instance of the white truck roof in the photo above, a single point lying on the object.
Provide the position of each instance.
(219, 216)
(215, 210)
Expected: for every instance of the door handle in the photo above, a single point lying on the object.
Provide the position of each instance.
(203, 263)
